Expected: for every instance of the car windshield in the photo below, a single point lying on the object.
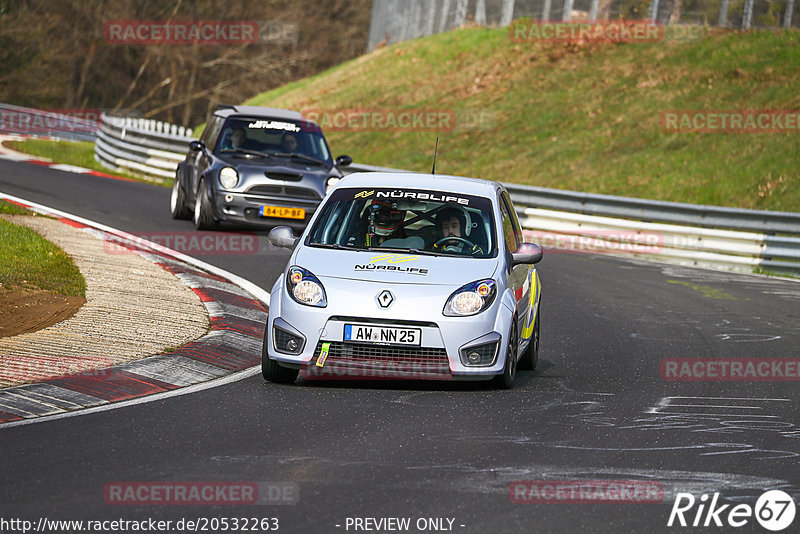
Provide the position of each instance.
(413, 220)
(278, 137)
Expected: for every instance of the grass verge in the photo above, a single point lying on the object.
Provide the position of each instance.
(578, 116)
(78, 153)
(29, 261)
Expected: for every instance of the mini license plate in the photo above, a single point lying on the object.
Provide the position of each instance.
(383, 334)
(283, 213)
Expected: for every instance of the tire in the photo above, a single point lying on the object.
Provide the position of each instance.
(530, 358)
(506, 380)
(203, 213)
(271, 370)
(177, 201)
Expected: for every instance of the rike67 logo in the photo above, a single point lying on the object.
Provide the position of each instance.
(774, 510)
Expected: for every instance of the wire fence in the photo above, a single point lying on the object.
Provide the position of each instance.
(395, 21)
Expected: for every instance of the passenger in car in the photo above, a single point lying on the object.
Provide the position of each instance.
(289, 143)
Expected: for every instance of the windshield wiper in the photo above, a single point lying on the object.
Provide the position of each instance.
(331, 245)
(246, 152)
(405, 250)
(295, 155)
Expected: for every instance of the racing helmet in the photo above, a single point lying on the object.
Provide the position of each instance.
(385, 216)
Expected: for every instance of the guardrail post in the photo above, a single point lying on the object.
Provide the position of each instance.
(566, 15)
(507, 13)
(430, 19)
(593, 10)
(747, 14)
(652, 12)
(722, 21)
(480, 13)
(461, 13)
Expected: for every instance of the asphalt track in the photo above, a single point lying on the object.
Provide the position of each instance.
(596, 409)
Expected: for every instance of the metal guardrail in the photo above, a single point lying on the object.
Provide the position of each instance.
(29, 121)
(773, 222)
(146, 147)
(688, 245)
(733, 239)
(706, 236)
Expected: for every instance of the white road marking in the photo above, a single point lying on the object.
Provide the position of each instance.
(235, 377)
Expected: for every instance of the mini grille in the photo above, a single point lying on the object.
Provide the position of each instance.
(283, 190)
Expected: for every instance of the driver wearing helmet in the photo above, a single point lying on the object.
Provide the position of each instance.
(451, 223)
(384, 221)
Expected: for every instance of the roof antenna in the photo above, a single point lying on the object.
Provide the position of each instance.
(435, 151)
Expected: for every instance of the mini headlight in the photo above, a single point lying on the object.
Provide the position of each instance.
(228, 177)
(471, 299)
(332, 181)
(305, 288)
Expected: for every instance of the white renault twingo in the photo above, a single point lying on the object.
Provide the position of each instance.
(402, 275)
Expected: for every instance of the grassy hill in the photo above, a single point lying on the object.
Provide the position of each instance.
(576, 116)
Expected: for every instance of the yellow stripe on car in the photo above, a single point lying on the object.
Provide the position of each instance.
(536, 288)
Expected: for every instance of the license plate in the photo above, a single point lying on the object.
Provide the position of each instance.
(283, 213)
(383, 334)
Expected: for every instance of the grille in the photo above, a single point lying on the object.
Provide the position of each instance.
(405, 361)
(283, 190)
(286, 176)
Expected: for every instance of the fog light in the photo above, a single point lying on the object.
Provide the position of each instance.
(479, 355)
(286, 342)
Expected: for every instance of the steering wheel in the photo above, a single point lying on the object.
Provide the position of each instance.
(456, 239)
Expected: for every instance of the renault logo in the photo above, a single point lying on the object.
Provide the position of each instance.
(385, 298)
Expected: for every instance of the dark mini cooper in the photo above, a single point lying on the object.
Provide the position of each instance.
(255, 165)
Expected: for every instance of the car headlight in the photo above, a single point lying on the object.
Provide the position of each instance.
(471, 299)
(332, 181)
(228, 177)
(305, 288)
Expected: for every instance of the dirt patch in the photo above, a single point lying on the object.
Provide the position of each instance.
(23, 311)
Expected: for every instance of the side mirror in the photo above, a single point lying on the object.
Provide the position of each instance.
(343, 161)
(527, 253)
(282, 236)
(197, 146)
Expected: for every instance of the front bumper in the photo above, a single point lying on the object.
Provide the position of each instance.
(441, 354)
(245, 209)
